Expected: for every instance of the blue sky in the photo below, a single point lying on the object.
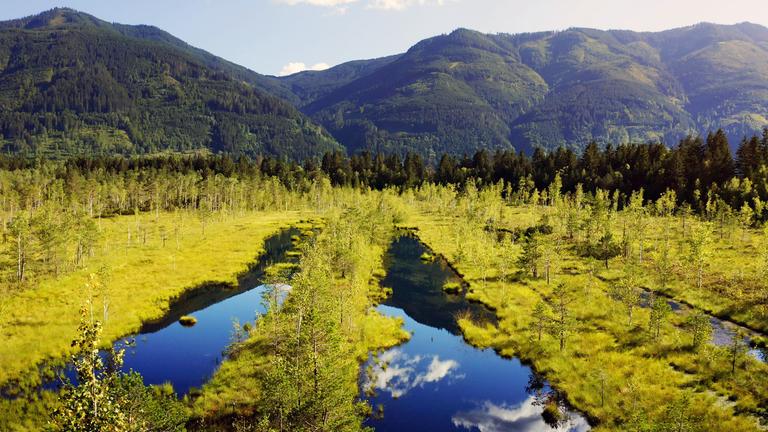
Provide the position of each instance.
(270, 36)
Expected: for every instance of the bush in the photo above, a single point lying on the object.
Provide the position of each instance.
(187, 321)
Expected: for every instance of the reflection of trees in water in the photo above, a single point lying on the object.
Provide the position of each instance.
(554, 411)
(418, 288)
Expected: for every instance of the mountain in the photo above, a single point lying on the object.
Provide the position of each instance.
(468, 90)
(71, 84)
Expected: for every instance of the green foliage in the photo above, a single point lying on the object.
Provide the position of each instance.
(562, 324)
(700, 329)
(541, 318)
(700, 249)
(105, 399)
(91, 403)
(660, 311)
(605, 249)
(530, 259)
(627, 291)
(466, 90)
(79, 85)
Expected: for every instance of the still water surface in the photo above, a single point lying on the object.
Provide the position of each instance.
(436, 381)
(167, 352)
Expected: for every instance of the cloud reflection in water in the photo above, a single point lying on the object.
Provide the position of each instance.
(525, 417)
(398, 372)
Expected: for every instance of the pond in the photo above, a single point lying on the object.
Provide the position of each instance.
(165, 351)
(436, 381)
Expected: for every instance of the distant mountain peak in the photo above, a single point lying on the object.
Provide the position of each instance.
(53, 18)
(465, 90)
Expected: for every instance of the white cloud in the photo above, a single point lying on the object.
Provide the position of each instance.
(296, 67)
(436, 371)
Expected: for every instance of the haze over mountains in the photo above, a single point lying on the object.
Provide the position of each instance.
(72, 83)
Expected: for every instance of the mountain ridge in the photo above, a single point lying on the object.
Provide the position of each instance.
(556, 88)
(452, 93)
(71, 83)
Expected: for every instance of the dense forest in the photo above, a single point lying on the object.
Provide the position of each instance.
(702, 172)
(463, 91)
(71, 84)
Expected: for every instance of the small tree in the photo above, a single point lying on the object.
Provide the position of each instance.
(554, 190)
(700, 328)
(627, 291)
(663, 263)
(700, 249)
(21, 232)
(745, 220)
(541, 318)
(679, 416)
(737, 348)
(550, 259)
(530, 259)
(605, 249)
(562, 323)
(660, 310)
(91, 405)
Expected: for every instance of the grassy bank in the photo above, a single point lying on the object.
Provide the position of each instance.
(143, 274)
(335, 287)
(609, 369)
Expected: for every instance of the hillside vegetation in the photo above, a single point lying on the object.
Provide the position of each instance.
(73, 84)
(466, 90)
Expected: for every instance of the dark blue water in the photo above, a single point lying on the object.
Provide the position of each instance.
(186, 357)
(436, 381)
(164, 351)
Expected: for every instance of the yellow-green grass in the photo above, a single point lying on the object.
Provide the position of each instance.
(40, 322)
(236, 386)
(188, 321)
(638, 373)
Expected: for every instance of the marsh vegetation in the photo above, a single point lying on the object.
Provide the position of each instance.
(637, 311)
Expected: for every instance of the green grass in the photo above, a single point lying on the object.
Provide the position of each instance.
(40, 322)
(640, 375)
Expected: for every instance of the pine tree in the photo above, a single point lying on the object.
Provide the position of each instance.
(562, 324)
(627, 291)
(718, 162)
(530, 259)
(541, 319)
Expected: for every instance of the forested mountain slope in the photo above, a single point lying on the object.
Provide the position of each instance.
(71, 83)
(466, 90)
